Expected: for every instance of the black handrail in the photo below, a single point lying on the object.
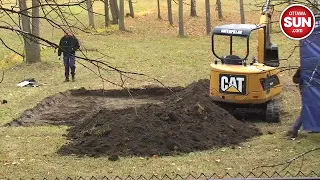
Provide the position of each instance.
(248, 42)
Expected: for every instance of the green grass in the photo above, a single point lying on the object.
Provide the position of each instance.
(151, 47)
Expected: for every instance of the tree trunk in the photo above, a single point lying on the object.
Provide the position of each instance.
(131, 9)
(219, 9)
(193, 8)
(116, 7)
(106, 13)
(181, 28)
(114, 11)
(29, 51)
(208, 17)
(36, 30)
(242, 12)
(90, 13)
(170, 12)
(121, 16)
(159, 13)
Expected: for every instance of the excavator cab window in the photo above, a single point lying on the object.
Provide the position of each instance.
(235, 45)
(231, 49)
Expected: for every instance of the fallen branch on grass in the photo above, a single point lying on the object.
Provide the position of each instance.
(289, 162)
(2, 77)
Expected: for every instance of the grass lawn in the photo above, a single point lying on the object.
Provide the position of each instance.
(151, 47)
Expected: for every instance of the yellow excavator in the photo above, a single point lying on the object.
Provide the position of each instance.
(251, 81)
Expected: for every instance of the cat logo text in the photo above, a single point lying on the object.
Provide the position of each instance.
(232, 84)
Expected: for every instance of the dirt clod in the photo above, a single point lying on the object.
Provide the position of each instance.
(113, 157)
(270, 132)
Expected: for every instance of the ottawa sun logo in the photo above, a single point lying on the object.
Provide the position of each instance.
(297, 22)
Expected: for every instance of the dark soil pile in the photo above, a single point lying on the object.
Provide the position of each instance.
(187, 121)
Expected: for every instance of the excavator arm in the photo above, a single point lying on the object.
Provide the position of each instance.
(267, 52)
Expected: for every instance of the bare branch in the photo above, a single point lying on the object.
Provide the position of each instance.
(2, 77)
(10, 48)
(288, 162)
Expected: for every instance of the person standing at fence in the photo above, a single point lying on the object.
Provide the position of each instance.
(68, 45)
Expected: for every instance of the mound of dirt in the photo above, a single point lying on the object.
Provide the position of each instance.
(185, 122)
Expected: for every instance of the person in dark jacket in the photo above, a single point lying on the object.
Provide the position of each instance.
(293, 132)
(68, 45)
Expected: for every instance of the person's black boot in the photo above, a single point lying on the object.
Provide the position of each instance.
(292, 133)
(73, 73)
(73, 77)
(67, 79)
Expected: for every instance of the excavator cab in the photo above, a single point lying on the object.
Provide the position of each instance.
(243, 31)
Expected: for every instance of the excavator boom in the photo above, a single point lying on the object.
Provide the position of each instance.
(267, 52)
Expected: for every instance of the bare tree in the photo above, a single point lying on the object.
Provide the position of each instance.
(208, 16)
(219, 8)
(90, 13)
(170, 11)
(114, 11)
(131, 9)
(116, 7)
(36, 30)
(159, 13)
(106, 13)
(29, 49)
(193, 8)
(121, 16)
(242, 12)
(181, 27)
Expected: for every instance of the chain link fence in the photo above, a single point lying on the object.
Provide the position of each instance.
(249, 176)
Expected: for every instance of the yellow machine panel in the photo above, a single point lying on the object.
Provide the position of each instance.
(255, 84)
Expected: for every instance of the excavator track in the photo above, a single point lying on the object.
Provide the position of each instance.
(272, 111)
(268, 112)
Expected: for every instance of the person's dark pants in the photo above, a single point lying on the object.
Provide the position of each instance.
(69, 64)
(297, 124)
